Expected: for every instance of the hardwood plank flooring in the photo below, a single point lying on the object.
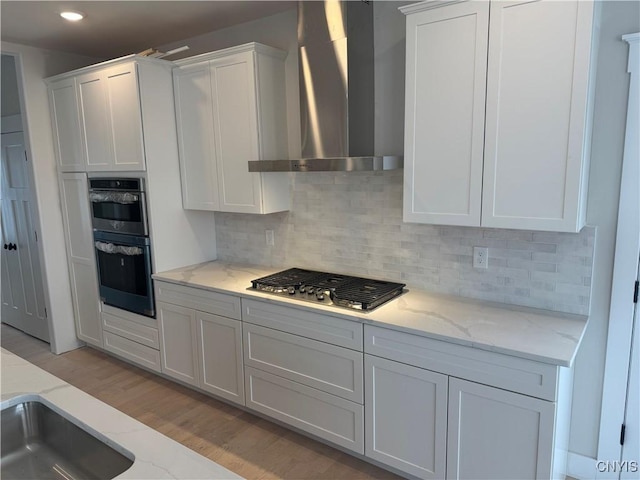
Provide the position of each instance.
(244, 443)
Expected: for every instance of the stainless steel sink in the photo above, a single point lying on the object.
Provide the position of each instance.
(38, 443)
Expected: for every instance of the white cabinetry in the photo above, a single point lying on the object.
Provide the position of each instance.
(201, 339)
(80, 257)
(65, 121)
(293, 374)
(429, 404)
(406, 417)
(98, 114)
(498, 434)
(523, 164)
(230, 109)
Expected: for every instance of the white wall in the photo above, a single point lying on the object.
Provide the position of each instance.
(612, 84)
(33, 65)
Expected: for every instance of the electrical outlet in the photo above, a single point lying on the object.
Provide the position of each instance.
(480, 257)
(270, 237)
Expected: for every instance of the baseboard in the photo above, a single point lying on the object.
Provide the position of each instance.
(581, 467)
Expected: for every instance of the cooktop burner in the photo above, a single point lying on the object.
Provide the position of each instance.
(329, 288)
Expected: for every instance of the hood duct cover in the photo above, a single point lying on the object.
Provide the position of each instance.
(335, 61)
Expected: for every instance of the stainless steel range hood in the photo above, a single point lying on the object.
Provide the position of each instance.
(335, 61)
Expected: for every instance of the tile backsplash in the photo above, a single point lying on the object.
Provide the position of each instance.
(352, 223)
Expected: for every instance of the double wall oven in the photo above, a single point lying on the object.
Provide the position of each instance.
(122, 244)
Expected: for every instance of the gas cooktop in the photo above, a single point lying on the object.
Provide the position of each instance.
(329, 288)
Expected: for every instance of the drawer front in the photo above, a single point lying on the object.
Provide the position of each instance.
(332, 369)
(140, 354)
(495, 369)
(312, 325)
(326, 416)
(198, 299)
(132, 330)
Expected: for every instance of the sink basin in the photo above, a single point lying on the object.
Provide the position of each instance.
(40, 443)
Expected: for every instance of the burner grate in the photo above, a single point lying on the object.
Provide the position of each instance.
(290, 277)
(367, 293)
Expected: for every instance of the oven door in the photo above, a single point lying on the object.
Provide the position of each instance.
(118, 211)
(124, 271)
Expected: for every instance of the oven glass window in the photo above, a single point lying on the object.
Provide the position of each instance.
(130, 212)
(126, 273)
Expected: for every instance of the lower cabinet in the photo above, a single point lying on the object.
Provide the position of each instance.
(434, 425)
(294, 374)
(131, 336)
(178, 328)
(199, 346)
(498, 435)
(406, 417)
(220, 356)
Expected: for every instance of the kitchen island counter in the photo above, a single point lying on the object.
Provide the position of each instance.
(539, 335)
(156, 456)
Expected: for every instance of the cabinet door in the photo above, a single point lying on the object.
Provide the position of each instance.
(177, 328)
(95, 124)
(405, 417)
(537, 92)
(444, 114)
(236, 132)
(220, 356)
(125, 117)
(81, 258)
(196, 143)
(495, 434)
(65, 121)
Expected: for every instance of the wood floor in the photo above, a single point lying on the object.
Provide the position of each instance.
(248, 445)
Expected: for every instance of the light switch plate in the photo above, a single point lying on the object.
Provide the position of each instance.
(480, 257)
(270, 237)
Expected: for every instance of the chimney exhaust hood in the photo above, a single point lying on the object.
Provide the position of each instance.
(335, 61)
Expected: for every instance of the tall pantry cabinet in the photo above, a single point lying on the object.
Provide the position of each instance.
(117, 119)
(497, 119)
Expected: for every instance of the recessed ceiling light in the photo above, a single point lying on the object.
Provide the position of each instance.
(72, 16)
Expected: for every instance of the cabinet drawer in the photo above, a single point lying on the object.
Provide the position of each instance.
(134, 327)
(326, 416)
(502, 371)
(198, 299)
(332, 369)
(306, 324)
(140, 354)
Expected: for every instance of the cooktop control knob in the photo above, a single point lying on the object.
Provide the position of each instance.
(291, 290)
(320, 295)
(310, 290)
(302, 288)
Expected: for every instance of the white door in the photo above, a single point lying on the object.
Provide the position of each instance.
(535, 121)
(406, 417)
(220, 356)
(23, 303)
(196, 143)
(178, 341)
(631, 446)
(76, 214)
(444, 114)
(236, 132)
(494, 434)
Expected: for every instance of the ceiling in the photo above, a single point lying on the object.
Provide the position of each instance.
(115, 28)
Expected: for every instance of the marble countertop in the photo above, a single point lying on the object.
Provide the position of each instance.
(156, 456)
(540, 335)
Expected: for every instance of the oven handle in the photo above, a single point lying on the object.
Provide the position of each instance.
(118, 249)
(124, 198)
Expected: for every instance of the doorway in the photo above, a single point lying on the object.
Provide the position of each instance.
(23, 303)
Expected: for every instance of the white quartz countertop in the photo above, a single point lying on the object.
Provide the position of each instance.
(155, 455)
(539, 335)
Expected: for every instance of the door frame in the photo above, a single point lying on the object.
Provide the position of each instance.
(625, 274)
(10, 124)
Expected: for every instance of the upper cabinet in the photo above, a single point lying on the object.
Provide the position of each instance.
(230, 108)
(497, 118)
(97, 119)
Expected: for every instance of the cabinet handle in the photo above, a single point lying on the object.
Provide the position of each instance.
(13, 246)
